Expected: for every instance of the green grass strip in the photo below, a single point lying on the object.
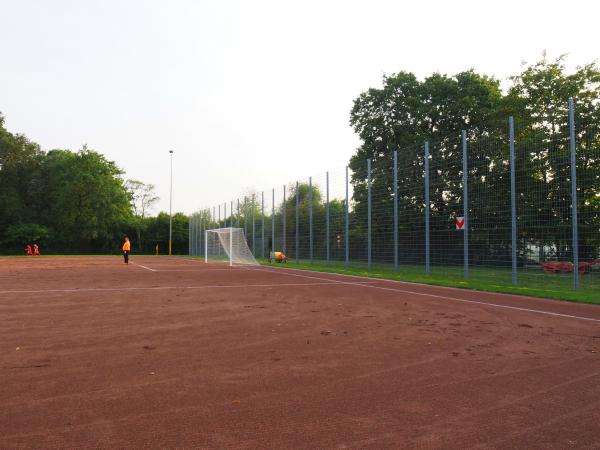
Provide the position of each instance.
(533, 283)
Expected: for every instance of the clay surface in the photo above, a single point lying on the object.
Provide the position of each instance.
(171, 352)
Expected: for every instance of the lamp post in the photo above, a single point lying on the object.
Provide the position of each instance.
(170, 207)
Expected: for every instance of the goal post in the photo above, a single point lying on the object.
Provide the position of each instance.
(227, 245)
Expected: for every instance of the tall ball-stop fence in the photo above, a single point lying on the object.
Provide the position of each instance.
(519, 206)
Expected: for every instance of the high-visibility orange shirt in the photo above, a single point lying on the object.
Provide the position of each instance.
(126, 246)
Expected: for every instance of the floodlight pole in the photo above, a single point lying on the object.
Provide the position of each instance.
(170, 207)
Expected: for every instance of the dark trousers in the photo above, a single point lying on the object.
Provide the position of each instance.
(126, 256)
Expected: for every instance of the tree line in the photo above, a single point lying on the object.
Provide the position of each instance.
(406, 112)
(76, 202)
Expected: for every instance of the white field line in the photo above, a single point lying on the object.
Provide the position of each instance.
(159, 288)
(224, 268)
(144, 267)
(444, 297)
(367, 281)
(410, 283)
(198, 270)
(201, 261)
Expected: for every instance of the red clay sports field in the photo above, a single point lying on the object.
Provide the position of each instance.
(171, 352)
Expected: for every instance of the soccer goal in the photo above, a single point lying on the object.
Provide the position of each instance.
(227, 245)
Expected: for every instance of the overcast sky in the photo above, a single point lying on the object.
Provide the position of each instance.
(248, 94)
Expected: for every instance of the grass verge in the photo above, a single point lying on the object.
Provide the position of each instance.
(533, 283)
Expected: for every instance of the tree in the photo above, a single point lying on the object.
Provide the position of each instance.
(406, 112)
(20, 234)
(158, 232)
(143, 198)
(19, 161)
(401, 116)
(539, 100)
(69, 201)
(85, 203)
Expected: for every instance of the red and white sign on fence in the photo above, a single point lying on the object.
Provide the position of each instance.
(460, 223)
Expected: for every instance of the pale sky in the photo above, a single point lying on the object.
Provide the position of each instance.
(248, 94)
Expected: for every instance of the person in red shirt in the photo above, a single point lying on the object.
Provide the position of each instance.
(28, 250)
(36, 250)
(126, 249)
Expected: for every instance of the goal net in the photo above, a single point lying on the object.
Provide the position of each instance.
(227, 245)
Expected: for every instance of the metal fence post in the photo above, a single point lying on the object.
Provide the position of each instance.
(192, 235)
(327, 249)
(203, 227)
(395, 170)
(347, 226)
(465, 205)
(513, 200)
(237, 219)
(369, 243)
(574, 220)
(253, 226)
(262, 218)
(195, 233)
(273, 221)
(283, 218)
(201, 232)
(231, 210)
(427, 211)
(246, 218)
(310, 218)
(219, 221)
(297, 237)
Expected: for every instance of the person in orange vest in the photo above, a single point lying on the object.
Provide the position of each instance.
(36, 250)
(28, 250)
(126, 249)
